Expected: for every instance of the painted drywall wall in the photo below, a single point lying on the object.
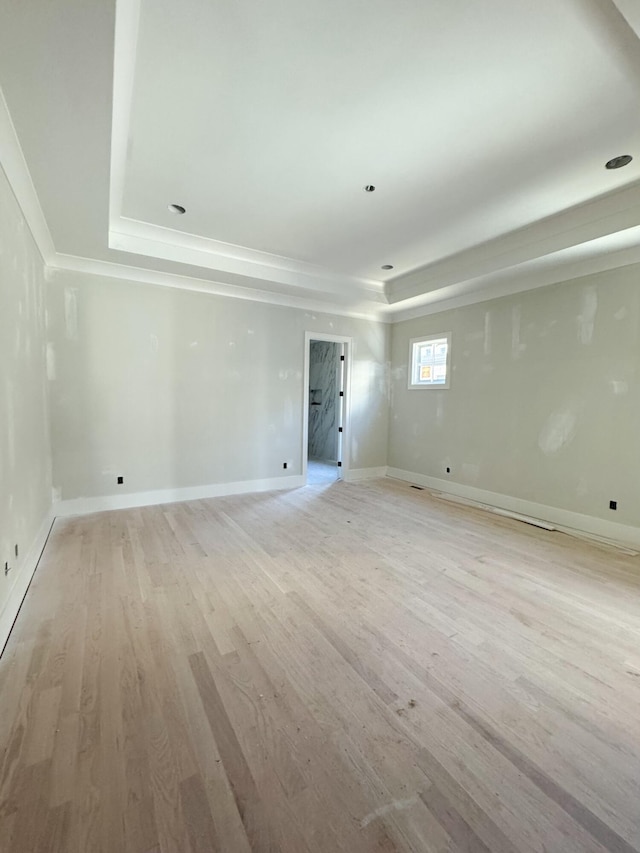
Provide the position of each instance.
(544, 401)
(25, 454)
(172, 388)
(323, 400)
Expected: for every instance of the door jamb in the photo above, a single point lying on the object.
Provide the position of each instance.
(346, 401)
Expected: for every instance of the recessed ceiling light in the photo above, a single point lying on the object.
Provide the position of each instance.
(369, 188)
(177, 208)
(387, 266)
(619, 162)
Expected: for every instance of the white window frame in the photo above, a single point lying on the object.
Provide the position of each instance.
(424, 339)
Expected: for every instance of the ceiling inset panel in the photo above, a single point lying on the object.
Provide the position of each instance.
(266, 120)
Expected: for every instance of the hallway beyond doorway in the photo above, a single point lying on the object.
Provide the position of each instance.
(321, 471)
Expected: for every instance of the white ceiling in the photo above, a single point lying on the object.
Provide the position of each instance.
(484, 127)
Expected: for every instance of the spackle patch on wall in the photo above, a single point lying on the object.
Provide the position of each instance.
(560, 429)
(285, 374)
(587, 315)
(51, 363)
(517, 348)
(619, 387)
(487, 333)
(547, 328)
(71, 313)
(10, 423)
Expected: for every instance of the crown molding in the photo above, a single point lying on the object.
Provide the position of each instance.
(125, 48)
(583, 240)
(157, 241)
(602, 216)
(14, 165)
(630, 11)
(124, 272)
(148, 240)
(542, 272)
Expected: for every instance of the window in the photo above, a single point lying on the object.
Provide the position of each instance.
(429, 361)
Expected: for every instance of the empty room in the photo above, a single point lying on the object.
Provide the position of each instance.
(319, 426)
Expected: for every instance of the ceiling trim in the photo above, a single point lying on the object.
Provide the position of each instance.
(125, 272)
(14, 165)
(145, 238)
(607, 214)
(533, 275)
(125, 50)
(511, 280)
(156, 241)
(630, 11)
(536, 256)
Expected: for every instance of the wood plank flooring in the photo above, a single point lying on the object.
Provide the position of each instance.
(342, 669)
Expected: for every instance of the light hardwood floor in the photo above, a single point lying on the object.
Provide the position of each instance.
(338, 669)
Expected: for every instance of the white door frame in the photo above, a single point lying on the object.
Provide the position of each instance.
(346, 401)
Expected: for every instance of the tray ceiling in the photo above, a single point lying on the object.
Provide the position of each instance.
(485, 136)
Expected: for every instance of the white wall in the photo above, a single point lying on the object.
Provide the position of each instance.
(174, 389)
(544, 403)
(25, 454)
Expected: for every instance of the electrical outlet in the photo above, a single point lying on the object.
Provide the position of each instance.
(448, 470)
(613, 504)
(120, 480)
(284, 464)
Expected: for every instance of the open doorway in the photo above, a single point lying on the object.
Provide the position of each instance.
(325, 408)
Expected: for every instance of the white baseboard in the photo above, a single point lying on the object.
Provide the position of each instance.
(84, 506)
(23, 574)
(562, 519)
(355, 474)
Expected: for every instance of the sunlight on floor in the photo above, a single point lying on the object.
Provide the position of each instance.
(321, 472)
